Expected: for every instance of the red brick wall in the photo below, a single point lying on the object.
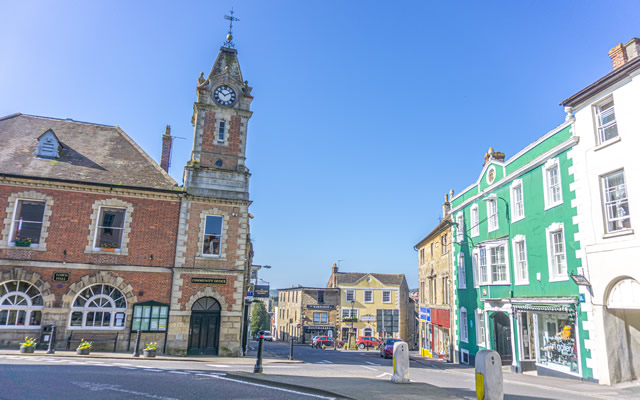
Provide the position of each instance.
(154, 226)
(189, 289)
(209, 141)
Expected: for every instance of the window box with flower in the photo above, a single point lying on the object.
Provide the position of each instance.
(84, 348)
(108, 247)
(26, 242)
(150, 349)
(28, 346)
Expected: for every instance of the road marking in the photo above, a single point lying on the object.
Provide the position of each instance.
(95, 362)
(212, 374)
(372, 369)
(121, 364)
(153, 370)
(78, 362)
(272, 387)
(218, 365)
(127, 368)
(370, 363)
(386, 373)
(194, 372)
(327, 361)
(178, 372)
(95, 387)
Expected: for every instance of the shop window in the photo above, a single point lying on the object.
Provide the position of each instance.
(110, 228)
(99, 307)
(212, 236)
(615, 202)
(558, 347)
(20, 305)
(27, 223)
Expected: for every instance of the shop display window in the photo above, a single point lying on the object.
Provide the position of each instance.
(557, 342)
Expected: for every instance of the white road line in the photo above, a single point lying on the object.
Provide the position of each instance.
(370, 363)
(153, 370)
(217, 365)
(372, 369)
(77, 363)
(212, 374)
(95, 362)
(386, 373)
(327, 361)
(121, 364)
(272, 387)
(195, 372)
(127, 368)
(178, 372)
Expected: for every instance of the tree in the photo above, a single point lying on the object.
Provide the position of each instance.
(259, 318)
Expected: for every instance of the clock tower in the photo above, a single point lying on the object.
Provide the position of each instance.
(220, 117)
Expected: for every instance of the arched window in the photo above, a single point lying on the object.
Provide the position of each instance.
(206, 304)
(99, 307)
(20, 305)
(368, 331)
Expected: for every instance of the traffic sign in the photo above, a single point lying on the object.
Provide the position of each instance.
(299, 325)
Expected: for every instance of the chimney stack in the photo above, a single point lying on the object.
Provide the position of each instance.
(165, 160)
(492, 155)
(623, 53)
(446, 206)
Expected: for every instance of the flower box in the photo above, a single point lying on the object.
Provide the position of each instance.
(83, 352)
(148, 353)
(27, 349)
(23, 243)
(109, 249)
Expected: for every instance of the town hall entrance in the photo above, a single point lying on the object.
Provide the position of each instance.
(204, 328)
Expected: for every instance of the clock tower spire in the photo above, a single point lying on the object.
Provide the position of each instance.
(220, 117)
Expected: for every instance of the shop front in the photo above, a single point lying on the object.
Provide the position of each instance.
(317, 330)
(435, 333)
(548, 339)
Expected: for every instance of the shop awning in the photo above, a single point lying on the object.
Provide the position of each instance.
(557, 308)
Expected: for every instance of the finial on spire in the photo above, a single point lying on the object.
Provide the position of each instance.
(231, 18)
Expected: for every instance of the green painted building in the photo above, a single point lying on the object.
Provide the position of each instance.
(515, 248)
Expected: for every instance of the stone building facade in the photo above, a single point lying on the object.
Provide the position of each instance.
(98, 240)
(313, 309)
(435, 291)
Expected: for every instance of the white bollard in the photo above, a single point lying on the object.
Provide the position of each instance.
(400, 363)
(489, 375)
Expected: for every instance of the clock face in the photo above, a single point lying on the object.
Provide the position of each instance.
(224, 95)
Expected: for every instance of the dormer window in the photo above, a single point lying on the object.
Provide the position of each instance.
(48, 145)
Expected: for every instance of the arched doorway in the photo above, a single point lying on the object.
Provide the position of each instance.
(622, 328)
(502, 336)
(204, 328)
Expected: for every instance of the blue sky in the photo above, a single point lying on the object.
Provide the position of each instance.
(365, 113)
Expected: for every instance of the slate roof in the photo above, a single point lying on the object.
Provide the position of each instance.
(92, 153)
(349, 278)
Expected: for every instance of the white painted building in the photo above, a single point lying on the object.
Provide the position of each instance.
(606, 167)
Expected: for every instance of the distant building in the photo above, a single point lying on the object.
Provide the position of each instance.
(435, 291)
(606, 118)
(373, 304)
(305, 312)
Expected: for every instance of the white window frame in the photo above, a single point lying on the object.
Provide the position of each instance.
(551, 255)
(349, 312)
(600, 128)
(27, 305)
(462, 273)
(322, 318)
(96, 245)
(204, 236)
(464, 325)
(475, 260)
(460, 227)
(609, 206)
(517, 211)
(550, 165)
(370, 294)
(520, 264)
(16, 220)
(350, 296)
(487, 277)
(464, 355)
(388, 294)
(480, 328)
(222, 125)
(113, 310)
(475, 221)
(493, 220)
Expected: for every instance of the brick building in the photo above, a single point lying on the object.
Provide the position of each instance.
(98, 240)
(313, 309)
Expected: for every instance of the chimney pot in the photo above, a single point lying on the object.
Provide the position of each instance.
(165, 159)
(623, 53)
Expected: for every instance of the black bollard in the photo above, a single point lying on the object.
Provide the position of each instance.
(136, 349)
(291, 349)
(52, 341)
(258, 368)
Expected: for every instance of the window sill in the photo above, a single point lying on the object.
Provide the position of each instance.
(93, 328)
(12, 246)
(19, 328)
(209, 257)
(115, 253)
(550, 206)
(607, 143)
(621, 232)
(516, 219)
(493, 229)
(522, 283)
(559, 279)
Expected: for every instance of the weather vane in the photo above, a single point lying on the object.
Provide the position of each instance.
(231, 18)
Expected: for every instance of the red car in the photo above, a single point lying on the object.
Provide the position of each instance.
(367, 341)
(326, 341)
(386, 350)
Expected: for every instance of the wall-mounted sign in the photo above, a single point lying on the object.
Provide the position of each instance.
(210, 281)
(367, 318)
(317, 327)
(321, 306)
(261, 291)
(423, 313)
(61, 277)
(150, 316)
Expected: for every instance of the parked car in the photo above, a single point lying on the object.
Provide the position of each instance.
(267, 336)
(386, 349)
(367, 341)
(326, 341)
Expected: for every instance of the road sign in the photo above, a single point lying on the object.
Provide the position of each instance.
(299, 325)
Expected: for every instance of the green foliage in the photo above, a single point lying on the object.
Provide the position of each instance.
(259, 318)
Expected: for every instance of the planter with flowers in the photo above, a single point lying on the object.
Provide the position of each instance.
(26, 242)
(108, 247)
(150, 349)
(28, 346)
(84, 348)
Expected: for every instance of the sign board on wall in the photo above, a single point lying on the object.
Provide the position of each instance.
(321, 306)
(210, 281)
(61, 277)
(261, 291)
